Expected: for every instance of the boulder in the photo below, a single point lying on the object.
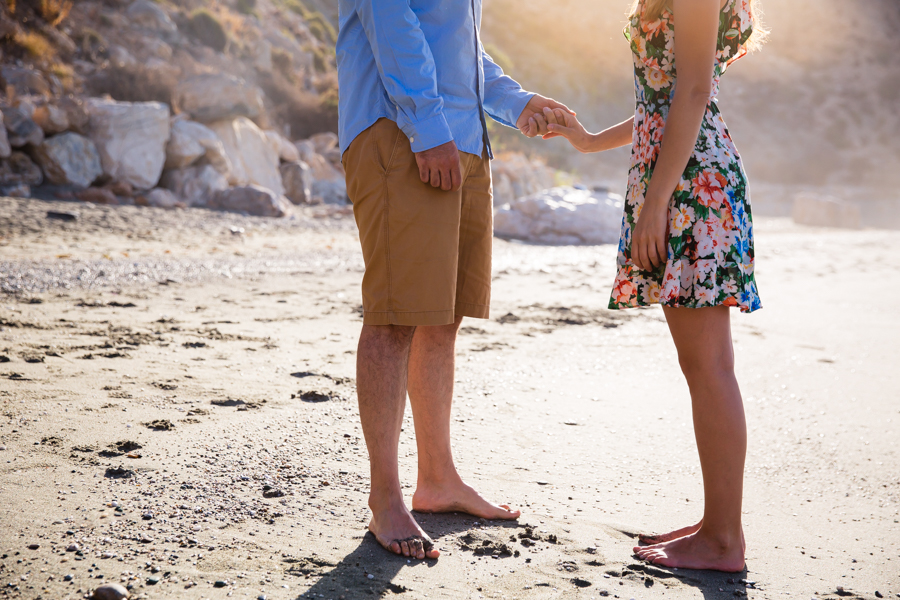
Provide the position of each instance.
(18, 190)
(97, 196)
(515, 176)
(253, 159)
(76, 114)
(184, 147)
(51, 119)
(21, 128)
(194, 185)
(562, 216)
(306, 149)
(69, 159)
(160, 198)
(149, 15)
(131, 139)
(323, 142)
(121, 57)
(19, 169)
(822, 211)
(322, 168)
(25, 81)
(297, 178)
(286, 151)
(215, 97)
(330, 192)
(253, 200)
(5, 148)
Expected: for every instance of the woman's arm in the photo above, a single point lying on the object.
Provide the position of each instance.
(563, 124)
(696, 35)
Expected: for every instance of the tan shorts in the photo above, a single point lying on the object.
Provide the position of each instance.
(427, 252)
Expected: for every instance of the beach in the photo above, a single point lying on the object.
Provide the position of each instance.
(179, 415)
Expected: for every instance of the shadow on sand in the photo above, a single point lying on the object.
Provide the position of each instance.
(350, 577)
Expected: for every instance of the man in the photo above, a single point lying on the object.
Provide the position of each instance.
(414, 84)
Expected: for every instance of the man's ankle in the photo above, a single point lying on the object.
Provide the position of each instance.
(385, 501)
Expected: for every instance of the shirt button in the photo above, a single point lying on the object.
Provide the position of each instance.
(411, 140)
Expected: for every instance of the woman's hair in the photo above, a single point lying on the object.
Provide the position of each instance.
(653, 9)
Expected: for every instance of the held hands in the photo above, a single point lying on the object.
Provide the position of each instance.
(649, 239)
(531, 122)
(562, 124)
(440, 167)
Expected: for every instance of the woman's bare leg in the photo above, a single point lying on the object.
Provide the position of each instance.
(703, 339)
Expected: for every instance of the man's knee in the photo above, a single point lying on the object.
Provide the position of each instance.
(398, 335)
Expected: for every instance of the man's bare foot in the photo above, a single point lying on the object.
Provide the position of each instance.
(651, 539)
(397, 531)
(459, 497)
(695, 551)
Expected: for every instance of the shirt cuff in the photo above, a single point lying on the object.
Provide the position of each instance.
(429, 133)
(509, 107)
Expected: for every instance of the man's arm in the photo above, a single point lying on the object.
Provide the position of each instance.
(506, 102)
(406, 66)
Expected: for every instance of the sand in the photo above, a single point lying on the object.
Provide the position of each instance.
(238, 349)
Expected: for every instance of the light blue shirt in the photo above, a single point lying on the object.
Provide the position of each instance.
(421, 64)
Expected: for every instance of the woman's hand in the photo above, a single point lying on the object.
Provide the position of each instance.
(563, 124)
(649, 240)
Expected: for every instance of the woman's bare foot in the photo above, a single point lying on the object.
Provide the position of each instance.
(458, 497)
(397, 531)
(695, 551)
(651, 539)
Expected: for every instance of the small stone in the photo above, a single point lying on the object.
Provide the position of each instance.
(73, 548)
(220, 584)
(68, 577)
(110, 591)
(33, 546)
(261, 597)
(370, 576)
(145, 539)
(878, 594)
(152, 580)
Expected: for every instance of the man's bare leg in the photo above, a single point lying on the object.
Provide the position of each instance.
(703, 339)
(431, 372)
(381, 371)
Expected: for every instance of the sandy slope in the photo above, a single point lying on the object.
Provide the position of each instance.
(575, 413)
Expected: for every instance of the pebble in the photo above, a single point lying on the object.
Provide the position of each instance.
(152, 580)
(2, 447)
(261, 597)
(68, 577)
(108, 554)
(370, 576)
(110, 591)
(220, 584)
(33, 546)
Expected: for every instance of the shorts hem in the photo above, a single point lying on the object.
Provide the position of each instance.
(409, 319)
(473, 311)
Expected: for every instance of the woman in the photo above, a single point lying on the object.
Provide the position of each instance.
(687, 240)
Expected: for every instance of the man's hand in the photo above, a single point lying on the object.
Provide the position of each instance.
(531, 122)
(439, 166)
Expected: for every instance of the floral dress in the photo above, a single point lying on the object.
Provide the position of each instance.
(710, 243)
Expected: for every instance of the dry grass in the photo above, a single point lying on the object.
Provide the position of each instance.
(55, 11)
(36, 45)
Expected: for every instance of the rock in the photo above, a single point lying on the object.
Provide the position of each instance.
(68, 577)
(76, 114)
(25, 81)
(5, 148)
(516, 176)
(97, 196)
(160, 198)
(194, 185)
(323, 142)
(184, 147)
(330, 192)
(110, 591)
(19, 169)
(121, 57)
(253, 200)
(131, 139)
(152, 580)
(51, 119)
(286, 151)
(306, 149)
(822, 211)
(73, 548)
(120, 188)
(220, 584)
(150, 15)
(19, 190)
(69, 159)
(253, 159)
(562, 216)
(33, 546)
(297, 179)
(21, 129)
(215, 97)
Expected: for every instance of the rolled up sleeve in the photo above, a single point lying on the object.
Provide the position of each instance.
(504, 98)
(407, 69)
